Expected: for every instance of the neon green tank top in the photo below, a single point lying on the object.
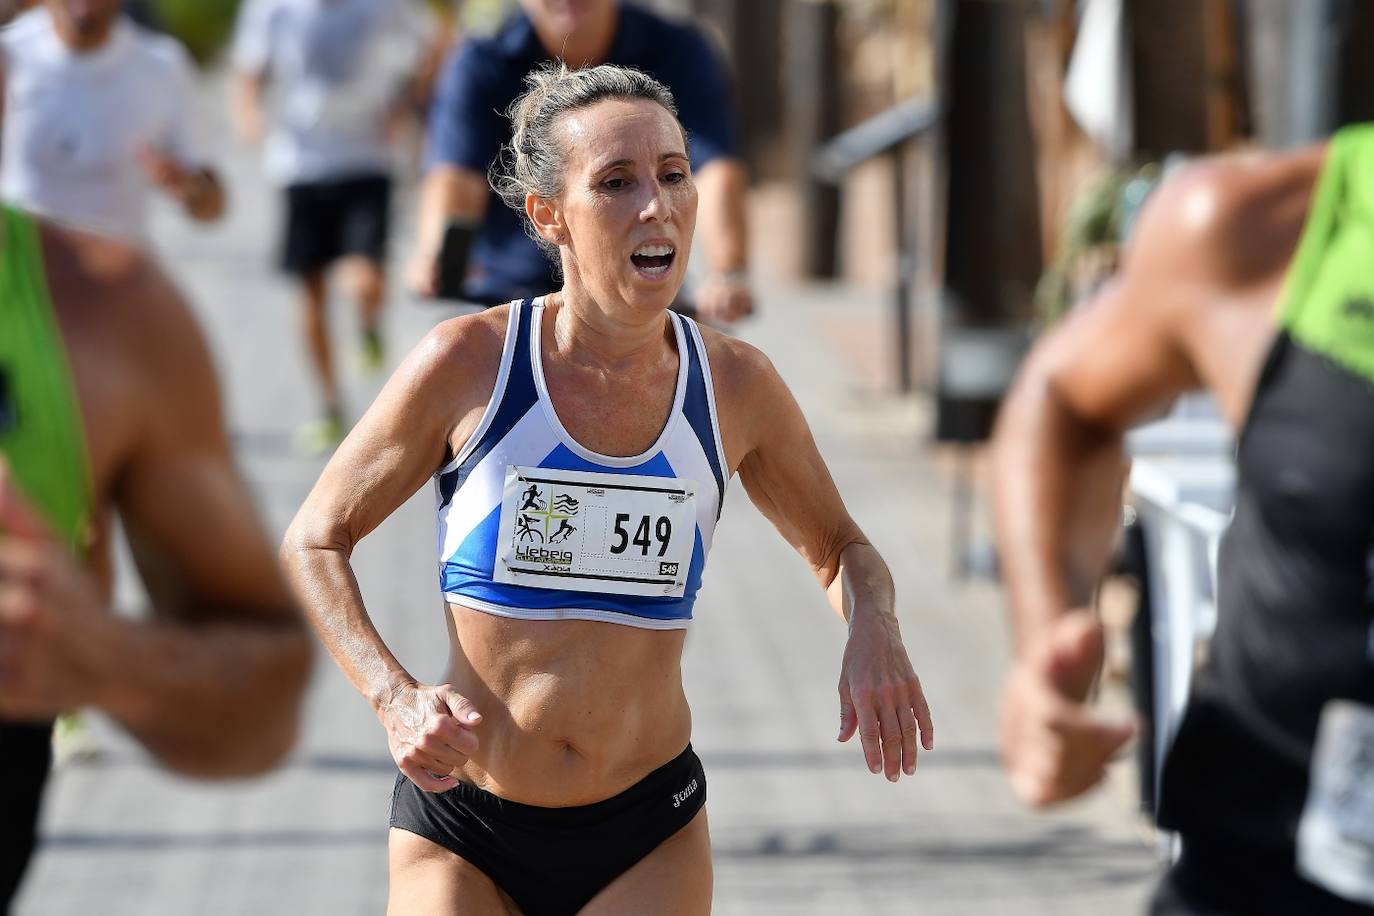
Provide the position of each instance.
(41, 434)
(1328, 297)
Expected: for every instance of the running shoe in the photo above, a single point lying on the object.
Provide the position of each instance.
(72, 742)
(373, 353)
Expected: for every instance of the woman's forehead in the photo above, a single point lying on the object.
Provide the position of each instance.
(621, 129)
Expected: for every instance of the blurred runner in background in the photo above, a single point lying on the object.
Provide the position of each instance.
(468, 125)
(347, 74)
(96, 110)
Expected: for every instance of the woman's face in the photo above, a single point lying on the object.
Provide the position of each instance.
(625, 218)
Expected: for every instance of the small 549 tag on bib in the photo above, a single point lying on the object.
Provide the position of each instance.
(1336, 832)
(586, 531)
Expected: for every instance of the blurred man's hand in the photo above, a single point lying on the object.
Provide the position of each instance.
(197, 190)
(724, 299)
(1054, 746)
(53, 625)
(422, 275)
(164, 170)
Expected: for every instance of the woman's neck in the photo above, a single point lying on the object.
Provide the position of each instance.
(585, 334)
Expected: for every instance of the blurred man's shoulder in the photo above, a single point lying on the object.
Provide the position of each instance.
(1219, 210)
(675, 35)
(118, 276)
(159, 51)
(29, 31)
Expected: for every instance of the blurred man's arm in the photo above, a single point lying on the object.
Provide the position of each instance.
(701, 87)
(215, 683)
(1058, 470)
(465, 132)
(211, 684)
(450, 193)
(198, 190)
(245, 106)
(723, 225)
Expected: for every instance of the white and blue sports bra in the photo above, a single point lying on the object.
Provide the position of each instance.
(532, 525)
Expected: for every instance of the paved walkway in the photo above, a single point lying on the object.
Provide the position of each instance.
(798, 825)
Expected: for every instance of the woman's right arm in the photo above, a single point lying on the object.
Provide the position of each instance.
(429, 406)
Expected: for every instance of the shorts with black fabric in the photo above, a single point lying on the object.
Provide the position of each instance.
(329, 220)
(25, 756)
(552, 861)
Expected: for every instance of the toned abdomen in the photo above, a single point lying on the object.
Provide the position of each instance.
(573, 711)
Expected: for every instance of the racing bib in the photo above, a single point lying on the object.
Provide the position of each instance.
(585, 531)
(1336, 833)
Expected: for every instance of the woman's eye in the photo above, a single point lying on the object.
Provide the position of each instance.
(675, 177)
(614, 184)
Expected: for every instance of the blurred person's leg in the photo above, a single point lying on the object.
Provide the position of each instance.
(312, 241)
(315, 327)
(365, 230)
(368, 279)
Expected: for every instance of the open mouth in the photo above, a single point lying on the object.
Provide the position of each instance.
(653, 261)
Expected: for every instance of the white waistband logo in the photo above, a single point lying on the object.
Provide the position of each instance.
(680, 797)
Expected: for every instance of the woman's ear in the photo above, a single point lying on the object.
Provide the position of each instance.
(547, 219)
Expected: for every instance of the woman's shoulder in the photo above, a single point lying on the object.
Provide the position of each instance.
(733, 361)
(462, 351)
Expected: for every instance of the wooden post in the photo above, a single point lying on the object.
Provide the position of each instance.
(757, 51)
(812, 118)
(992, 240)
(1169, 69)
(750, 32)
(1355, 64)
(992, 221)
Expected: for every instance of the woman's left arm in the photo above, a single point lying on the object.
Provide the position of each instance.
(786, 478)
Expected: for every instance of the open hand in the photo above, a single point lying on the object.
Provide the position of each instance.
(881, 699)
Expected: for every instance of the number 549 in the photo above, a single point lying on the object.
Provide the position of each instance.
(662, 530)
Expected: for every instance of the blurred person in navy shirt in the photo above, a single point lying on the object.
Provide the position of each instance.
(468, 125)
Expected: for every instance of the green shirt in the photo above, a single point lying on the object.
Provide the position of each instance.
(1328, 297)
(41, 434)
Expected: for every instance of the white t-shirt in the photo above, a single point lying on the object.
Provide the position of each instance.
(73, 123)
(338, 67)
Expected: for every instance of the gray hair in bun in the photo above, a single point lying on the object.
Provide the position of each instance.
(535, 161)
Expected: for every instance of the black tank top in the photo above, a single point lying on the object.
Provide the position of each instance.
(1294, 608)
(1295, 612)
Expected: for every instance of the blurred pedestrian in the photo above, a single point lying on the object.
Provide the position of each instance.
(347, 74)
(98, 110)
(1248, 276)
(468, 127)
(580, 445)
(108, 404)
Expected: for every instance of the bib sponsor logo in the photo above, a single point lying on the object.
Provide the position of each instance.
(560, 558)
(589, 531)
(680, 797)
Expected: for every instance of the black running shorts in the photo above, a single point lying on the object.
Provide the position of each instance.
(329, 220)
(552, 861)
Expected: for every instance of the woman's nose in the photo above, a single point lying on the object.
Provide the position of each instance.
(656, 206)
